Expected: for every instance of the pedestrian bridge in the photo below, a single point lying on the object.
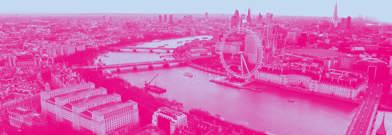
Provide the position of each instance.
(136, 65)
(145, 49)
(143, 65)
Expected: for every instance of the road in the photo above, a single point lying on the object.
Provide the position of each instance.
(363, 119)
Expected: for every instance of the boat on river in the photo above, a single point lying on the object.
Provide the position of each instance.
(188, 74)
(148, 86)
(154, 88)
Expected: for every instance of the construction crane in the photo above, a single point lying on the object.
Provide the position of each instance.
(153, 78)
(156, 89)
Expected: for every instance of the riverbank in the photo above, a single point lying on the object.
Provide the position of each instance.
(149, 104)
(309, 94)
(206, 69)
(88, 56)
(202, 122)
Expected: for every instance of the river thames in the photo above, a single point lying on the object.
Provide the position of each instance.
(273, 110)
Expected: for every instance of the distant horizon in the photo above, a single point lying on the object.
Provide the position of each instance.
(133, 13)
(374, 9)
(201, 14)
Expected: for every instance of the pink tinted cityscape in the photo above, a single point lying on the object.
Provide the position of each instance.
(205, 73)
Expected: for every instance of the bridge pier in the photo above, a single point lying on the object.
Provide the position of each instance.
(150, 67)
(166, 65)
(134, 68)
(182, 63)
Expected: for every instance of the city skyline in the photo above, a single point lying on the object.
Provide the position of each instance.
(187, 68)
(365, 8)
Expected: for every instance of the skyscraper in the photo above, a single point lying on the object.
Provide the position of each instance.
(171, 19)
(249, 17)
(259, 17)
(335, 18)
(243, 20)
(160, 18)
(348, 22)
(269, 17)
(235, 19)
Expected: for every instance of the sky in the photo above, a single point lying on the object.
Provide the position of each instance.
(377, 9)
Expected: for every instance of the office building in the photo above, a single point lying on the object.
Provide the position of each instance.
(90, 108)
(168, 120)
(21, 117)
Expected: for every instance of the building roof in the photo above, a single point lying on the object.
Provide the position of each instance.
(92, 100)
(70, 89)
(108, 109)
(88, 112)
(72, 94)
(321, 53)
(81, 94)
(20, 111)
(170, 112)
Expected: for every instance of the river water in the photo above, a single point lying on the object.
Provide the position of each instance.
(272, 110)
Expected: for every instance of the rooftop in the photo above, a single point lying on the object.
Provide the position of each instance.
(89, 111)
(72, 88)
(170, 112)
(321, 53)
(81, 93)
(94, 99)
(114, 107)
(20, 111)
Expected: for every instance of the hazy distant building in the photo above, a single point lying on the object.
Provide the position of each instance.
(165, 18)
(26, 60)
(160, 18)
(259, 17)
(236, 19)
(269, 17)
(171, 19)
(390, 65)
(335, 18)
(168, 120)
(303, 39)
(11, 60)
(348, 22)
(91, 108)
(249, 17)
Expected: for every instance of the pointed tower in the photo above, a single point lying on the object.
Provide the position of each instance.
(381, 130)
(236, 19)
(335, 18)
(249, 17)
